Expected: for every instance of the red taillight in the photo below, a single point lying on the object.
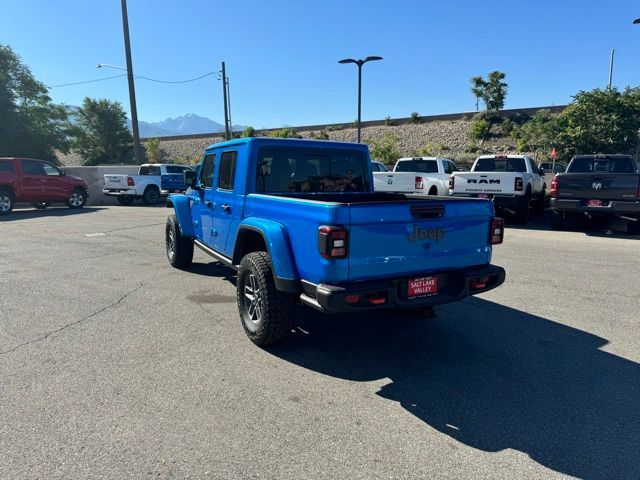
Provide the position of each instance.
(555, 183)
(419, 183)
(452, 182)
(496, 235)
(377, 299)
(479, 282)
(352, 299)
(130, 182)
(519, 185)
(332, 242)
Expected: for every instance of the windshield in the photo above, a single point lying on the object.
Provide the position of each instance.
(423, 166)
(602, 165)
(286, 169)
(500, 165)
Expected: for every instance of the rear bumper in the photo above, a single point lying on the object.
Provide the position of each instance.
(454, 286)
(499, 201)
(120, 192)
(612, 208)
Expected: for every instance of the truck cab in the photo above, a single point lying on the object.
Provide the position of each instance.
(300, 222)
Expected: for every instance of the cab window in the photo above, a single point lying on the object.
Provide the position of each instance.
(227, 170)
(208, 167)
(31, 167)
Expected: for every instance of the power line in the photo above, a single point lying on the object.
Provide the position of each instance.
(137, 77)
(87, 81)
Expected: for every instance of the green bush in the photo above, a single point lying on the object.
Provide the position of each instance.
(334, 128)
(249, 132)
(479, 129)
(507, 127)
(385, 150)
(432, 150)
(415, 117)
(388, 122)
(285, 133)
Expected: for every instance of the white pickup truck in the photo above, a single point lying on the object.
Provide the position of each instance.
(154, 180)
(514, 182)
(422, 175)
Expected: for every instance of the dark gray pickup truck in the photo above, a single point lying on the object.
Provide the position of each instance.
(597, 186)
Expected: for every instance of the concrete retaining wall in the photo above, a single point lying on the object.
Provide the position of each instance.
(95, 178)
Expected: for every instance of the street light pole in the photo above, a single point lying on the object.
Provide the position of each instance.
(224, 94)
(132, 89)
(229, 106)
(359, 63)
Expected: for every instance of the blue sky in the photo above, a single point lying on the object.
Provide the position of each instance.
(281, 55)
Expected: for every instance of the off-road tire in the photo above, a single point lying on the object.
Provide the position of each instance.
(7, 202)
(151, 196)
(274, 310)
(179, 248)
(125, 200)
(558, 221)
(77, 199)
(40, 205)
(522, 210)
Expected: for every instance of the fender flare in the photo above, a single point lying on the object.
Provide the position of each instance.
(181, 205)
(278, 245)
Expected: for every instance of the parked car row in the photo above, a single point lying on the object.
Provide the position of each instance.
(514, 182)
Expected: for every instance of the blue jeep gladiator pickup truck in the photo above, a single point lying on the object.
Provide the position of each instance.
(300, 222)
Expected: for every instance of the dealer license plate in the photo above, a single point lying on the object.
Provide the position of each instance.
(422, 287)
(595, 203)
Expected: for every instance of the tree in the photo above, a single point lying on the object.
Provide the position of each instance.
(491, 91)
(385, 150)
(249, 132)
(101, 133)
(600, 121)
(31, 125)
(154, 151)
(539, 134)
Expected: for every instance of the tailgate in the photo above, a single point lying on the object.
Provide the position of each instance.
(472, 183)
(394, 182)
(403, 238)
(115, 182)
(601, 186)
(173, 181)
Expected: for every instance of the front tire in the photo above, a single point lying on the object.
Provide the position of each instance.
(6, 202)
(179, 248)
(267, 314)
(40, 205)
(77, 199)
(125, 200)
(151, 196)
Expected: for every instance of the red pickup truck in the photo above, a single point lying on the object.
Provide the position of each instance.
(38, 182)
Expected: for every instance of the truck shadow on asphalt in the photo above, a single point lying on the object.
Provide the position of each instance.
(595, 228)
(492, 378)
(28, 214)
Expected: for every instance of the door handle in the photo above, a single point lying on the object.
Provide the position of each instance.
(226, 208)
(210, 204)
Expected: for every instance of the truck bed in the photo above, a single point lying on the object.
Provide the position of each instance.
(390, 235)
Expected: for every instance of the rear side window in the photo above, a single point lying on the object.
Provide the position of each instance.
(6, 166)
(31, 167)
(208, 167)
(500, 164)
(602, 165)
(150, 170)
(227, 170)
(422, 166)
(176, 169)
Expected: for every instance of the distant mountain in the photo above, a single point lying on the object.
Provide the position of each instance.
(189, 124)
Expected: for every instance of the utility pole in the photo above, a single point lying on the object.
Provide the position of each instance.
(132, 89)
(229, 105)
(224, 94)
(613, 51)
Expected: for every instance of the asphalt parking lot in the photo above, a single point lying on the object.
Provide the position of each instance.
(115, 365)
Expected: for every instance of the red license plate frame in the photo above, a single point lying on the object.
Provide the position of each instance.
(595, 203)
(422, 287)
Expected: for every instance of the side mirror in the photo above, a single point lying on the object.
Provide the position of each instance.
(541, 171)
(191, 179)
(62, 172)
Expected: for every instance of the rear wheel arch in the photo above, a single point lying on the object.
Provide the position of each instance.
(248, 240)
